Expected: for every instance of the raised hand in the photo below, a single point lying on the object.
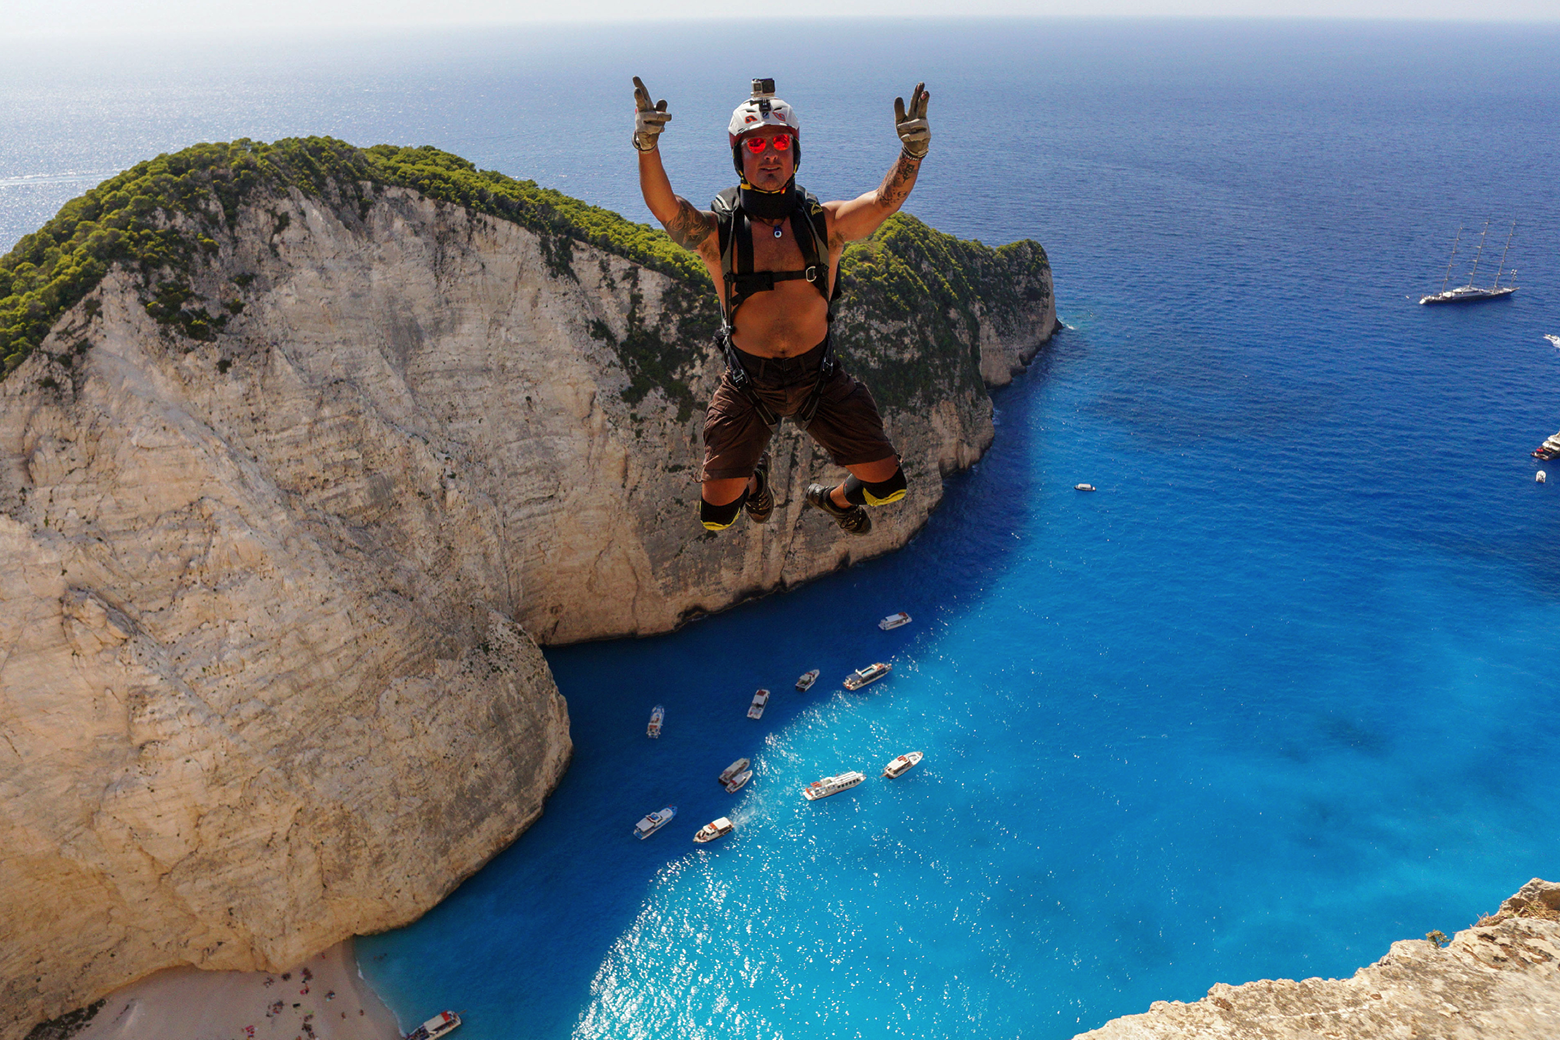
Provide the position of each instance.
(910, 124)
(649, 118)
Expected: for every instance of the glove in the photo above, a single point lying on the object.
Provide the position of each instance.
(649, 118)
(911, 125)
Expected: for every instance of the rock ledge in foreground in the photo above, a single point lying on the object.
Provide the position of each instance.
(1500, 978)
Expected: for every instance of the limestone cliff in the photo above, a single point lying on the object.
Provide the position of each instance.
(1500, 978)
(302, 446)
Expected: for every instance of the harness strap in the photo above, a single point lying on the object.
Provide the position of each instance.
(735, 230)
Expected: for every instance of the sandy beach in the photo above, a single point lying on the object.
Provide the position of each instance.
(323, 998)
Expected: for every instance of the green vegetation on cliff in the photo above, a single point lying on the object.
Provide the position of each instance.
(914, 298)
(909, 285)
(160, 215)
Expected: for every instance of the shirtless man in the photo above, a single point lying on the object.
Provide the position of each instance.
(775, 303)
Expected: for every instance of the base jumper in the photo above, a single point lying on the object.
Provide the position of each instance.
(773, 251)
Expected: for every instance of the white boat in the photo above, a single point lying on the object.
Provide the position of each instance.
(756, 709)
(870, 674)
(804, 683)
(732, 770)
(894, 621)
(739, 781)
(654, 822)
(656, 715)
(1471, 293)
(832, 785)
(1554, 340)
(715, 829)
(901, 765)
(1083, 487)
(437, 1026)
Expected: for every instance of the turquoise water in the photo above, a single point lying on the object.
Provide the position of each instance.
(1278, 694)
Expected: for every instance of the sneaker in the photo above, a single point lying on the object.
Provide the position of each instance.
(853, 520)
(761, 503)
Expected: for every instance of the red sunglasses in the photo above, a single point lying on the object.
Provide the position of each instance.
(756, 145)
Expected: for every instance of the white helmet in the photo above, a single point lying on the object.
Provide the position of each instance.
(760, 110)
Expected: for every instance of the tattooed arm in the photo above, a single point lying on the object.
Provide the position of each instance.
(689, 226)
(858, 218)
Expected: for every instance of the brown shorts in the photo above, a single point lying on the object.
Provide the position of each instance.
(846, 424)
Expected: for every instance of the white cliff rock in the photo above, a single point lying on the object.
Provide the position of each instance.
(1500, 978)
(267, 599)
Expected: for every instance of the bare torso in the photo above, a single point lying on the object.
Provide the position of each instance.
(793, 317)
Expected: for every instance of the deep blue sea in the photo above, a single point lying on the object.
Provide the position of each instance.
(1281, 692)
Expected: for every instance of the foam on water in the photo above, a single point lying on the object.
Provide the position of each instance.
(1276, 695)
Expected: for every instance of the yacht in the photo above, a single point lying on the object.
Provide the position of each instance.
(832, 785)
(654, 822)
(1553, 340)
(1471, 293)
(437, 1026)
(902, 765)
(656, 715)
(1083, 487)
(756, 709)
(715, 829)
(894, 621)
(804, 683)
(1549, 449)
(870, 674)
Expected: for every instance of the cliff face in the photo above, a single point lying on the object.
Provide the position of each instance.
(289, 488)
(1496, 979)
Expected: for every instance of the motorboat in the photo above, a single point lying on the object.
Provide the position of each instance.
(437, 1026)
(739, 781)
(732, 770)
(654, 822)
(1553, 340)
(832, 785)
(1549, 449)
(902, 765)
(760, 699)
(656, 715)
(894, 621)
(1083, 487)
(870, 674)
(712, 830)
(804, 683)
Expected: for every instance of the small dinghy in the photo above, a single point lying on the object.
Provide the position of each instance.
(894, 621)
(1083, 487)
(807, 679)
(715, 829)
(656, 715)
(654, 822)
(901, 765)
(756, 709)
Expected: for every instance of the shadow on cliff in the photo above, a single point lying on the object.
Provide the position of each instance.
(519, 944)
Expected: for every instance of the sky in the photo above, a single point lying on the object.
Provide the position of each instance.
(75, 17)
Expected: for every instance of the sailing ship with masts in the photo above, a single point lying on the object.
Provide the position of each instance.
(1471, 293)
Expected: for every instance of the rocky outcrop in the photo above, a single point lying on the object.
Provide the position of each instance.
(1500, 978)
(291, 483)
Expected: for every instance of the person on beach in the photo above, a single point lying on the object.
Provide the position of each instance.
(773, 252)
